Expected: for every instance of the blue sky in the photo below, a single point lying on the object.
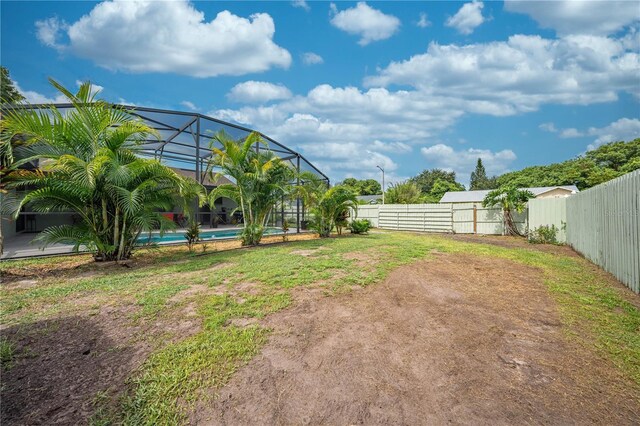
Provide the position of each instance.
(403, 85)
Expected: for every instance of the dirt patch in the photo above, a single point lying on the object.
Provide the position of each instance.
(191, 292)
(61, 365)
(365, 259)
(305, 253)
(460, 339)
(310, 252)
(20, 284)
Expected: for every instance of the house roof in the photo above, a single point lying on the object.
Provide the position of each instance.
(370, 198)
(478, 196)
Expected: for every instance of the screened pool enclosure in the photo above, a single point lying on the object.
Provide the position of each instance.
(184, 145)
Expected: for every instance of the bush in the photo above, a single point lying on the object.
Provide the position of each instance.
(544, 235)
(360, 226)
(192, 235)
(251, 234)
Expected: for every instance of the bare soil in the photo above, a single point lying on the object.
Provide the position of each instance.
(62, 365)
(456, 339)
(461, 339)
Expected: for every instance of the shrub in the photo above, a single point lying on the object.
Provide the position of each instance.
(361, 226)
(285, 229)
(251, 234)
(544, 234)
(192, 235)
(342, 221)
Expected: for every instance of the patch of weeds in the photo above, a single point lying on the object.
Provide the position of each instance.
(6, 353)
(103, 413)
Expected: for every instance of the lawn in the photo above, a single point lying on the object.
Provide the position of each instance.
(158, 340)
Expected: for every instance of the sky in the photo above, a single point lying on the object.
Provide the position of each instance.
(406, 86)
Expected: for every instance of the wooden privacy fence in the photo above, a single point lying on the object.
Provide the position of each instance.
(602, 223)
(547, 212)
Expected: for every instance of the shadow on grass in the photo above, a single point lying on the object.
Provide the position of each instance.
(58, 368)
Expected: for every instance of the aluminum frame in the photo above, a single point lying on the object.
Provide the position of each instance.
(183, 145)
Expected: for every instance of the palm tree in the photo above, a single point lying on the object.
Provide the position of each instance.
(403, 193)
(88, 166)
(509, 199)
(261, 180)
(327, 205)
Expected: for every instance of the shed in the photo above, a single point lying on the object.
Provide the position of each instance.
(539, 192)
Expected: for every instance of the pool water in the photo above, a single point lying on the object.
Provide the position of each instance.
(178, 237)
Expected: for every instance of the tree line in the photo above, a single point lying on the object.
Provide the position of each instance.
(602, 164)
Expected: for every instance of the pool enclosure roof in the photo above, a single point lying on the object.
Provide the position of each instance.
(185, 139)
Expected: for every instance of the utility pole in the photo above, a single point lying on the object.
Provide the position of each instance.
(382, 170)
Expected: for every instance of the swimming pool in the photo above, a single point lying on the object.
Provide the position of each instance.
(178, 237)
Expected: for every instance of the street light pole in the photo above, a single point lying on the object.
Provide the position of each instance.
(382, 170)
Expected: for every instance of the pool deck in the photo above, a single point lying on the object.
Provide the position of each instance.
(21, 245)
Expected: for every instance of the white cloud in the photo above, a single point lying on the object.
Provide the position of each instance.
(579, 16)
(169, 36)
(364, 21)
(258, 92)
(382, 124)
(445, 83)
(34, 97)
(520, 74)
(463, 162)
(548, 127)
(570, 133)
(468, 18)
(624, 129)
(302, 4)
(190, 105)
(48, 31)
(423, 22)
(310, 58)
(394, 147)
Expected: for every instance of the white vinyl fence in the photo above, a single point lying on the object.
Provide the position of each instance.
(461, 218)
(416, 217)
(370, 213)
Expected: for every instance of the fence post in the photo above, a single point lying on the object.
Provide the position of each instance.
(475, 219)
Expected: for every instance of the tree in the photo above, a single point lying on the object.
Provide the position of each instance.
(479, 179)
(328, 206)
(261, 180)
(442, 186)
(9, 94)
(404, 193)
(596, 166)
(364, 186)
(509, 199)
(90, 168)
(427, 178)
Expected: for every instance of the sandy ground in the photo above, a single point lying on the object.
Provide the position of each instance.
(461, 340)
(456, 339)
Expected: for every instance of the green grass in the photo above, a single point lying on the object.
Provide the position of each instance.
(174, 377)
(156, 299)
(6, 353)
